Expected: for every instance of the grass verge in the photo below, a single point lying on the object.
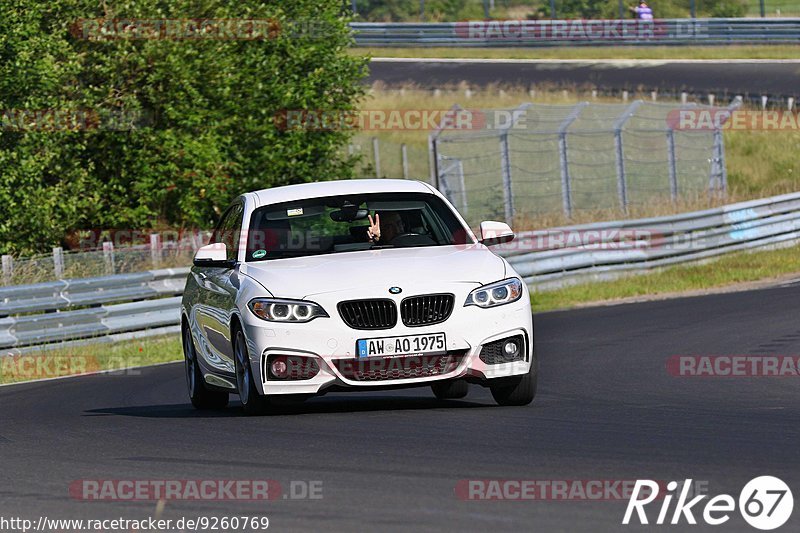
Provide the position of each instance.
(90, 358)
(737, 268)
(592, 52)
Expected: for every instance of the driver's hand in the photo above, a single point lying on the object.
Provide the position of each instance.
(374, 230)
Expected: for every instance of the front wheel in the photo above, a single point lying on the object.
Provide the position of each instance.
(199, 394)
(518, 390)
(252, 402)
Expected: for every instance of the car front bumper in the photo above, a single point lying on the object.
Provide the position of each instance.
(331, 343)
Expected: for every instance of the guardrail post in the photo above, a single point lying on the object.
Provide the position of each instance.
(376, 153)
(108, 257)
(196, 240)
(58, 262)
(8, 269)
(155, 249)
(672, 166)
(404, 159)
(505, 169)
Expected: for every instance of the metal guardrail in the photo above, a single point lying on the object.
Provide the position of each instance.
(592, 252)
(110, 308)
(102, 308)
(502, 33)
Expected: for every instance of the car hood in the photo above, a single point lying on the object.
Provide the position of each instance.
(302, 277)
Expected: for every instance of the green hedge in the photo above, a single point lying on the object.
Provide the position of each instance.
(202, 113)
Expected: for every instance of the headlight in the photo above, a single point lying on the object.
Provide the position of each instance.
(277, 310)
(498, 293)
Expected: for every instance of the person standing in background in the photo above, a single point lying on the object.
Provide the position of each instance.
(643, 11)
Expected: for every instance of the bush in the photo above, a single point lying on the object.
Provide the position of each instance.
(729, 9)
(203, 112)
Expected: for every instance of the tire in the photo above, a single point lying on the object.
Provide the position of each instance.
(450, 390)
(201, 396)
(519, 390)
(253, 403)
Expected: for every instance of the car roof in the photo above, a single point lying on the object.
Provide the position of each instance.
(290, 193)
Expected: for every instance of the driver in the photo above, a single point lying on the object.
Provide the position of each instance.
(385, 231)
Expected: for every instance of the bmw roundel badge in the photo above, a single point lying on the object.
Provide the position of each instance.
(395, 290)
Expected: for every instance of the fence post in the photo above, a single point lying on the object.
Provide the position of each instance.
(404, 158)
(566, 186)
(376, 152)
(716, 183)
(58, 262)
(108, 257)
(719, 173)
(8, 269)
(505, 169)
(155, 249)
(672, 166)
(622, 184)
(433, 146)
(505, 161)
(566, 189)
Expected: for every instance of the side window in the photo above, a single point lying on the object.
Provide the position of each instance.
(229, 229)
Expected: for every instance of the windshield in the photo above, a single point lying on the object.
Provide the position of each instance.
(337, 224)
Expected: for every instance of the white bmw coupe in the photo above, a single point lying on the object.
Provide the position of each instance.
(353, 285)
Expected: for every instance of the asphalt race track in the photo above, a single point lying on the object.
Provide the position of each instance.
(734, 77)
(606, 410)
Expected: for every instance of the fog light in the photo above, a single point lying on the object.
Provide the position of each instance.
(510, 348)
(279, 368)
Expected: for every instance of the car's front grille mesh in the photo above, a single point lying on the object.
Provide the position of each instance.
(369, 314)
(389, 368)
(426, 309)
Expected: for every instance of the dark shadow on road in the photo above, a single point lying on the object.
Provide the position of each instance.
(328, 404)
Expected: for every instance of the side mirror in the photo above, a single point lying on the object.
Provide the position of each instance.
(495, 233)
(212, 255)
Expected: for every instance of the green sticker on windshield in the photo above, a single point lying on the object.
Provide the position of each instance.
(258, 254)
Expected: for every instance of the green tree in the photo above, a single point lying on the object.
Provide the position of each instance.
(206, 129)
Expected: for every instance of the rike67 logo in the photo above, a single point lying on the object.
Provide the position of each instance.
(765, 503)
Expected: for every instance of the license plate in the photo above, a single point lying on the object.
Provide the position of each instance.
(429, 344)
